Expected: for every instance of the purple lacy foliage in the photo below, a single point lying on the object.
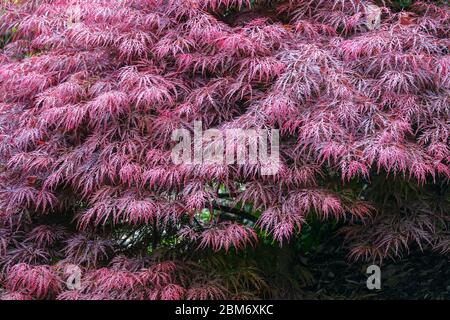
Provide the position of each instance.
(91, 90)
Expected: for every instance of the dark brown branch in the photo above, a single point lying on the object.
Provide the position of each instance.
(234, 211)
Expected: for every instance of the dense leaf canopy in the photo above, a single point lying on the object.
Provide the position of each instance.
(91, 91)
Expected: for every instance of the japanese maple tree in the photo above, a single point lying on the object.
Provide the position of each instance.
(91, 91)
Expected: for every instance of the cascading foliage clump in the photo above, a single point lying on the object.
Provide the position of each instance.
(91, 91)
